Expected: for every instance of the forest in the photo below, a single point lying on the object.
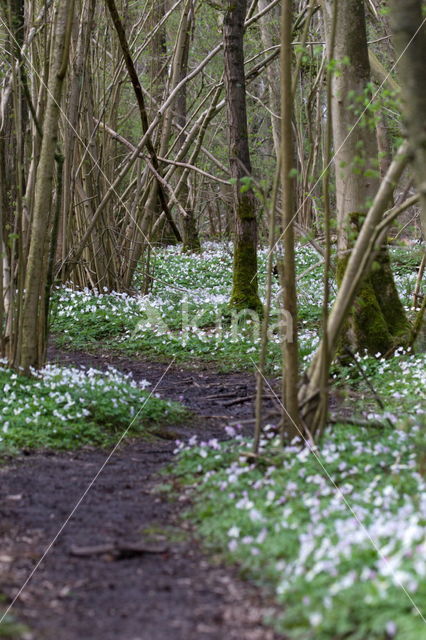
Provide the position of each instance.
(212, 319)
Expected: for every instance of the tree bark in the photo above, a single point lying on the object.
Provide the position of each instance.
(378, 317)
(33, 326)
(191, 240)
(244, 292)
(409, 36)
(291, 417)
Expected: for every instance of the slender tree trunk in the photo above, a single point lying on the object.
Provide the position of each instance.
(244, 292)
(142, 110)
(291, 417)
(77, 82)
(158, 79)
(12, 178)
(191, 240)
(3, 256)
(266, 24)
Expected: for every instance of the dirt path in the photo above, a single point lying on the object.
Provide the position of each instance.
(163, 589)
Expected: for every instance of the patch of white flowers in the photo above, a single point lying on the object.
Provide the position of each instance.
(340, 526)
(400, 382)
(184, 311)
(60, 395)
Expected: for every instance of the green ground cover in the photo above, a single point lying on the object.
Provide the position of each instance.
(187, 316)
(337, 534)
(68, 407)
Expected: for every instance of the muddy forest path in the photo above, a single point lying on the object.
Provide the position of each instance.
(124, 567)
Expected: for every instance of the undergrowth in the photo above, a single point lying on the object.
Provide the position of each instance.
(186, 315)
(65, 407)
(379, 389)
(338, 534)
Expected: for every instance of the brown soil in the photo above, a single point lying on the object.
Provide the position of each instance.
(139, 573)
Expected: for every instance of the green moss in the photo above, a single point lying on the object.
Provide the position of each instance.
(340, 269)
(369, 324)
(377, 322)
(244, 287)
(387, 296)
(191, 247)
(366, 328)
(246, 210)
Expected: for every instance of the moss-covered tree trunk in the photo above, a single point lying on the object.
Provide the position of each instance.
(377, 320)
(244, 291)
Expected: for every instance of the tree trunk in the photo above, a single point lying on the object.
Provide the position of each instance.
(291, 417)
(79, 70)
(266, 25)
(378, 318)
(33, 326)
(12, 178)
(158, 80)
(191, 240)
(356, 271)
(244, 292)
(410, 45)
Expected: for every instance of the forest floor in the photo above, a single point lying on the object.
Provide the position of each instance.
(335, 535)
(125, 566)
